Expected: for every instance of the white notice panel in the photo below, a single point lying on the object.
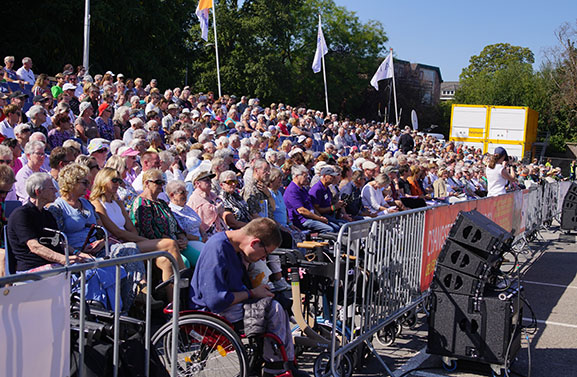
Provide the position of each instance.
(35, 328)
(507, 124)
(466, 119)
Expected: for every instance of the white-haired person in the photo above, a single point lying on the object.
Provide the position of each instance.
(373, 198)
(35, 160)
(188, 220)
(206, 203)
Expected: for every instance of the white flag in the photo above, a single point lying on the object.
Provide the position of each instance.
(385, 71)
(202, 14)
(321, 50)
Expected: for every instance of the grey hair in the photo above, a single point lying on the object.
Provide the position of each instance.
(274, 174)
(36, 182)
(38, 136)
(243, 151)
(223, 153)
(260, 163)
(32, 145)
(119, 113)
(223, 141)
(70, 143)
(177, 134)
(233, 137)
(173, 186)
(5, 151)
(203, 138)
(115, 145)
(19, 128)
(139, 134)
(154, 135)
(135, 122)
(271, 155)
(35, 110)
(166, 157)
(149, 124)
(227, 175)
(298, 170)
(246, 142)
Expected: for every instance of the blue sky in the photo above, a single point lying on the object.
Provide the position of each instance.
(447, 33)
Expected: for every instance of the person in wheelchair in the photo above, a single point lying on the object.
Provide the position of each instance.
(221, 285)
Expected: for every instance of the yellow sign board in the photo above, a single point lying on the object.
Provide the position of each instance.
(476, 132)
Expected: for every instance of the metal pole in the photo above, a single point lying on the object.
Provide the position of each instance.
(394, 90)
(216, 47)
(86, 56)
(325, 78)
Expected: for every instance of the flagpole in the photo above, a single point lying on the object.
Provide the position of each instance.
(216, 47)
(394, 90)
(325, 77)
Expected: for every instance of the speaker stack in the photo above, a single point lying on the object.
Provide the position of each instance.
(569, 212)
(471, 319)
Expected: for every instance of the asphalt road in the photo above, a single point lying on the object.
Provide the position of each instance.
(549, 275)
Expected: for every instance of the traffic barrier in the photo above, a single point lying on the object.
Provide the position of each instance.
(384, 266)
(13, 325)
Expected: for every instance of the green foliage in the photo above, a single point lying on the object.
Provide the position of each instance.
(148, 38)
(267, 47)
(495, 58)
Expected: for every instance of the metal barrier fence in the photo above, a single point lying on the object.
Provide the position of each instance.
(82, 326)
(381, 272)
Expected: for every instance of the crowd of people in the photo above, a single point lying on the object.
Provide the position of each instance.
(171, 170)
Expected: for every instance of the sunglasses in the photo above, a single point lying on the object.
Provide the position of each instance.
(116, 180)
(93, 167)
(159, 182)
(231, 182)
(8, 162)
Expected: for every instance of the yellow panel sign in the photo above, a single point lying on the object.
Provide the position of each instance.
(476, 132)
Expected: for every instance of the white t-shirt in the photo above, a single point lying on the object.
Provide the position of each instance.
(495, 181)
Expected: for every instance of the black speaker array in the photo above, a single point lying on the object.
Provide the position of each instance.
(569, 212)
(469, 319)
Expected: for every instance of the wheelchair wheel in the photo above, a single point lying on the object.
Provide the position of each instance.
(322, 367)
(206, 347)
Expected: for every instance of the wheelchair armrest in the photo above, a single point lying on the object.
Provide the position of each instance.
(185, 277)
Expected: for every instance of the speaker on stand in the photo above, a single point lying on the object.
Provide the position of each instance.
(471, 319)
(569, 210)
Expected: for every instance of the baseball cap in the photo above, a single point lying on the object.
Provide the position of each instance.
(127, 152)
(202, 175)
(329, 170)
(68, 86)
(18, 94)
(39, 98)
(96, 145)
(500, 151)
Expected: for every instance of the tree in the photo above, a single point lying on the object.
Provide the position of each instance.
(266, 50)
(500, 75)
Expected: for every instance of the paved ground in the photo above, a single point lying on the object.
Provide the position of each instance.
(549, 275)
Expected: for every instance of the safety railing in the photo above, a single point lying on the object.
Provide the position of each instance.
(81, 270)
(384, 266)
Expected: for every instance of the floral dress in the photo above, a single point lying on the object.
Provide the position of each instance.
(154, 219)
(106, 129)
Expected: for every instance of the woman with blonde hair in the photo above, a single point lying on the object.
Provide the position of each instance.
(41, 85)
(115, 219)
(75, 216)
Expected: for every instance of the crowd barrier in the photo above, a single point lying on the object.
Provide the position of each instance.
(10, 87)
(387, 264)
(35, 318)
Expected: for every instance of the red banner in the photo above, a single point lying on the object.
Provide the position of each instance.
(505, 210)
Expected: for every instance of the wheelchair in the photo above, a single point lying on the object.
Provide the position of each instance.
(210, 345)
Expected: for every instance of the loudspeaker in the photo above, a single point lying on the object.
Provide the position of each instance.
(478, 329)
(569, 211)
(455, 282)
(465, 260)
(475, 230)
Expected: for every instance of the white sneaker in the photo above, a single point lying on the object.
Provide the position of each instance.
(280, 285)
